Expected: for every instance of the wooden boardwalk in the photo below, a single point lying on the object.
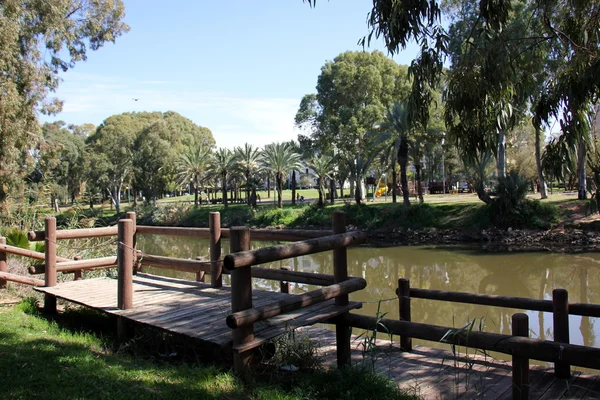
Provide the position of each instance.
(196, 310)
(436, 374)
(189, 308)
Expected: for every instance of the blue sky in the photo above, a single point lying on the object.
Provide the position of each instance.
(238, 67)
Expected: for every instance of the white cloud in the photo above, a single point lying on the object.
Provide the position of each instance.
(233, 120)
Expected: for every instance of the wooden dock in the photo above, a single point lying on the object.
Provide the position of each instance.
(437, 374)
(196, 310)
(193, 309)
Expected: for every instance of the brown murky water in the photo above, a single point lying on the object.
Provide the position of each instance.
(531, 275)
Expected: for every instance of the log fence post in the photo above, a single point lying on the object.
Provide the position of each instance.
(216, 269)
(404, 310)
(77, 274)
(3, 265)
(50, 256)
(241, 298)
(520, 365)
(340, 273)
(560, 315)
(284, 285)
(125, 262)
(131, 215)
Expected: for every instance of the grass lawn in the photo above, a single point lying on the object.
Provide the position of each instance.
(46, 360)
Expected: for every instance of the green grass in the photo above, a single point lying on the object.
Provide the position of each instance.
(49, 360)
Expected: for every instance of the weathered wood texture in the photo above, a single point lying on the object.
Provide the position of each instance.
(178, 264)
(241, 299)
(283, 235)
(63, 234)
(5, 276)
(542, 350)
(74, 265)
(437, 373)
(197, 310)
(3, 264)
(125, 257)
(216, 269)
(284, 251)
(295, 302)
(523, 303)
(189, 308)
(27, 253)
(50, 258)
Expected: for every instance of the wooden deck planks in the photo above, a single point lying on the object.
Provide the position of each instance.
(197, 310)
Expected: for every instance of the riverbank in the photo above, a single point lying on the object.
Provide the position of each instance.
(560, 223)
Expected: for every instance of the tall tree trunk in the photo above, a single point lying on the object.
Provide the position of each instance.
(418, 169)
(394, 182)
(501, 154)
(538, 164)
(341, 182)
(351, 187)
(358, 189)
(321, 192)
(293, 187)
(117, 199)
(279, 190)
(581, 171)
(224, 190)
(195, 195)
(268, 186)
(481, 193)
(403, 161)
(332, 189)
(248, 198)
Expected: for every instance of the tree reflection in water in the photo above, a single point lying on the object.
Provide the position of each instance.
(532, 275)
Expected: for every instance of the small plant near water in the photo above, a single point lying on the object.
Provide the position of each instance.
(463, 363)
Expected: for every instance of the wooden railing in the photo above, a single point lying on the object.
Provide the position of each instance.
(519, 345)
(240, 262)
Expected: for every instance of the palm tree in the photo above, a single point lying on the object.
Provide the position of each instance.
(223, 164)
(399, 128)
(192, 164)
(323, 168)
(247, 161)
(280, 158)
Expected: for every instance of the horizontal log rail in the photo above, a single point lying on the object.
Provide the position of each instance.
(75, 265)
(284, 251)
(252, 315)
(27, 253)
(542, 350)
(21, 279)
(178, 264)
(63, 234)
(523, 303)
(309, 278)
(283, 235)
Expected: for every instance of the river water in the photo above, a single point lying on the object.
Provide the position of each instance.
(532, 275)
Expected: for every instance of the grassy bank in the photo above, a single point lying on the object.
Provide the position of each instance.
(48, 360)
(439, 215)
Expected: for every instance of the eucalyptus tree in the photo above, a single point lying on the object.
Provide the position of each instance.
(280, 158)
(222, 165)
(322, 167)
(192, 165)
(248, 163)
(38, 40)
(150, 159)
(353, 92)
(553, 62)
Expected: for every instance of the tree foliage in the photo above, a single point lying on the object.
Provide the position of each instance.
(38, 40)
